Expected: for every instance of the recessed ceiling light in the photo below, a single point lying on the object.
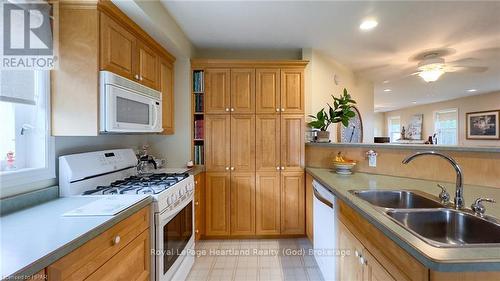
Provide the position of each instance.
(387, 90)
(368, 24)
(472, 90)
(414, 101)
(385, 81)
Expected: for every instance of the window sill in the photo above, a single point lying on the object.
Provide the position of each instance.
(10, 180)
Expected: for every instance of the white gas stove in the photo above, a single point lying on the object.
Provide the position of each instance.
(113, 172)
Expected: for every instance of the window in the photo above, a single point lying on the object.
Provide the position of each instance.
(26, 148)
(446, 126)
(394, 128)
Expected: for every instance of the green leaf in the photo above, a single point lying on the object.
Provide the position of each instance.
(345, 122)
(350, 114)
(345, 91)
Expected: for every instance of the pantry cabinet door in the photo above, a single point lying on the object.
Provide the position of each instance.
(267, 139)
(292, 91)
(243, 143)
(217, 91)
(242, 91)
(217, 143)
(217, 202)
(243, 203)
(267, 96)
(292, 142)
(117, 48)
(292, 203)
(267, 206)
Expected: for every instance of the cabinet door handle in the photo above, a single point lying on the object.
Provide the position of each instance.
(232, 168)
(197, 231)
(140, 78)
(232, 109)
(195, 182)
(356, 253)
(116, 240)
(227, 168)
(282, 109)
(227, 109)
(278, 168)
(277, 109)
(282, 167)
(137, 76)
(196, 203)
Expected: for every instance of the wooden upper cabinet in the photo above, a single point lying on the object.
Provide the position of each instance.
(147, 65)
(167, 94)
(292, 142)
(217, 202)
(267, 94)
(242, 143)
(242, 91)
(267, 203)
(243, 203)
(292, 91)
(292, 203)
(267, 139)
(217, 90)
(217, 143)
(117, 48)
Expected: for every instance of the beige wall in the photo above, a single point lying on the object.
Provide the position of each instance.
(379, 124)
(320, 86)
(483, 102)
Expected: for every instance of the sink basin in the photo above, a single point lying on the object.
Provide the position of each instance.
(448, 227)
(397, 199)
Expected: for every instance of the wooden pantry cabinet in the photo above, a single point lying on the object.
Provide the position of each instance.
(253, 146)
(94, 36)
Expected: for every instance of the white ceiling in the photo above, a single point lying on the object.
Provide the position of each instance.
(405, 29)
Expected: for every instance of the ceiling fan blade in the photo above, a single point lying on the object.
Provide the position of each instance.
(468, 69)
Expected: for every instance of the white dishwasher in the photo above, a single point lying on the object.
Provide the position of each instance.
(325, 230)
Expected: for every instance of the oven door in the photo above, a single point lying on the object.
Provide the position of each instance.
(174, 238)
(129, 111)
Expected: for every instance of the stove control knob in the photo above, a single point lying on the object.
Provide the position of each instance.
(169, 201)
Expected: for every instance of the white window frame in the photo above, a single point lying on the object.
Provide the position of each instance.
(435, 113)
(389, 123)
(13, 179)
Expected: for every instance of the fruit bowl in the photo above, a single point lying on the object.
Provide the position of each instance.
(343, 168)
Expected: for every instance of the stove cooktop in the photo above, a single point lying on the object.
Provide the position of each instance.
(152, 184)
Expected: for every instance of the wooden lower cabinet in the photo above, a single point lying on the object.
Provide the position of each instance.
(373, 270)
(217, 202)
(292, 203)
(120, 253)
(243, 203)
(267, 203)
(199, 205)
(350, 267)
(131, 263)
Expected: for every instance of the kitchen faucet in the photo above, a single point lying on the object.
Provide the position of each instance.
(459, 193)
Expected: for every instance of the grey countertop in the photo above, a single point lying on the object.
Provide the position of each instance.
(33, 238)
(488, 149)
(439, 259)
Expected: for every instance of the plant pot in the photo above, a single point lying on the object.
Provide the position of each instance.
(323, 136)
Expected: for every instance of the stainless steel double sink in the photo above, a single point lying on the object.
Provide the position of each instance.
(434, 223)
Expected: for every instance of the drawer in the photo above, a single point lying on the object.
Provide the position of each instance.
(85, 260)
(131, 263)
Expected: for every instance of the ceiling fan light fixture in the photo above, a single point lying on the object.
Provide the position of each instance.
(431, 72)
(368, 24)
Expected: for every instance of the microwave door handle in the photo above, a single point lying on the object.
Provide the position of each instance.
(155, 114)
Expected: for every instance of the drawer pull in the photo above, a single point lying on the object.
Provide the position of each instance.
(116, 240)
(196, 203)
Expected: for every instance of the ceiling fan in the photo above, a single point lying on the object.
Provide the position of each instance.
(432, 65)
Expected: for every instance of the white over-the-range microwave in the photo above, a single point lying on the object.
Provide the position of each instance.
(127, 106)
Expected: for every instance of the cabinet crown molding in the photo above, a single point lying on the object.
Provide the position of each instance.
(235, 63)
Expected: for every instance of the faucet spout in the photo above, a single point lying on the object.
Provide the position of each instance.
(459, 192)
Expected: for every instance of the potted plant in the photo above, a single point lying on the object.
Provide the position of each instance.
(341, 112)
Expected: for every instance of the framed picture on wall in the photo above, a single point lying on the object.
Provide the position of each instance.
(482, 125)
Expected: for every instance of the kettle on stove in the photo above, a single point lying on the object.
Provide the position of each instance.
(146, 164)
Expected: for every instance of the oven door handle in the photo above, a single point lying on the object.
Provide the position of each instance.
(163, 220)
